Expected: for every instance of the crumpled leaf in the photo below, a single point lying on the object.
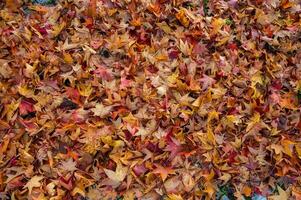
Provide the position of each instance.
(33, 182)
(118, 175)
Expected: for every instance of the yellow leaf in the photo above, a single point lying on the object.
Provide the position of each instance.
(253, 121)
(172, 79)
(78, 190)
(212, 115)
(277, 148)
(209, 189)
(218, 92)
(256, 79)
(298, 149)
(68, 58)
(118, 143)
(25, 156)
(181, 16)
(281, 196)
(185, 48)
(225, 177)
(24, 91)
(101, 110)
(11, 108)
(161, 57)
(57, 29)
(118, 175)
(27, 34)
(130, 119)
(33, 182)
(112, 11)
(164, 26)
(174, 197)
(223, 41)
(288, 147)
(230, 120)
(197, 102)
(217, 24)
(211, 136)
(85, 89)
(209, 177)
(237, 143)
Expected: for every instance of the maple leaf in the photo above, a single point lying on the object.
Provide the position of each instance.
(225, 177)
(57, 29)
(164, 26)
(67, 46)
(163, 171)
(185, 48)
(174, 197)
(257, 78)
(25, 107)
(12, 5)
(188, 181)
(124, 83)
(142, 132)
(288, 147)
(85, 89)
(68, 165)
(68, 58)
(282, 195)
(11, 108)
(25, 91)
(101, 110)
(118, 175)
(103, 73)
(253, 121)
(92, 8)
(181, 16)
(33, 182)
(207, 81)
(217, 24)
(174, 147)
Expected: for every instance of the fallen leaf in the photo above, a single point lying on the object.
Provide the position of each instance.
(118, 175)
(163, 171)
(101, 110)
(33, 182)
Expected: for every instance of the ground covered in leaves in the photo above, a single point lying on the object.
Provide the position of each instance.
(150, 99)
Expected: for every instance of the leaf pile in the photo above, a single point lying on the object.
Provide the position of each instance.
(150, 99)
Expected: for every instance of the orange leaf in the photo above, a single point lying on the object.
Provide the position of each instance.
(92, 8)
(182, 18)
(247, 191)
(163, 171)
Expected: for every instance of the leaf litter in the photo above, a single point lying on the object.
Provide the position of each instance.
(150, 99)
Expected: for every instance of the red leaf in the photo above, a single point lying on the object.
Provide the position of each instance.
(174, 147)
(73, 94)
(26, 107)
(139, 169)
(103, 73)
